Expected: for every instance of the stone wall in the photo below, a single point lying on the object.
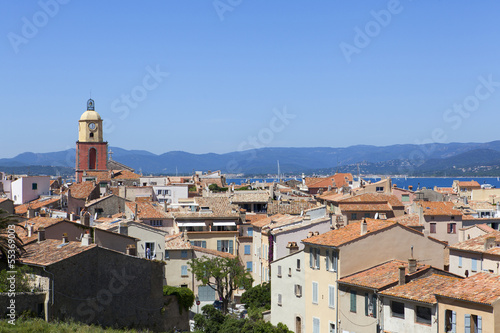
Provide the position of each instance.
(24, 302)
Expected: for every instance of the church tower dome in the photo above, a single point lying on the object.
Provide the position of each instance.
(91, 149)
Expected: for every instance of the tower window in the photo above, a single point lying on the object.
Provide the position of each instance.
(91, 134)
(92, 158)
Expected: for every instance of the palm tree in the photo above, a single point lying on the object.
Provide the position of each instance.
(10, 243)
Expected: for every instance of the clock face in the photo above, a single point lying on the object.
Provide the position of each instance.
(92, 126)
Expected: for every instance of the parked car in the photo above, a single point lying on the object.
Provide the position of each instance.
(218, 305)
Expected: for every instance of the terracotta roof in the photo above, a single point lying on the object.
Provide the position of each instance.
(219, 207)
(478, 244)
(481, 205)
(93, 202)
(280, 220)
(443, 208)
(3, 199)
(264, 221)
(100, 175)
(445, 190)
(252, 218)
(147, 210)
(471, 183)
(50, 251)
(373, 198)
(379, 276)
(368, 207)
(82, 190)
(409, 220)
(250, 196)
(484, 227)
(125, 174)
(214, 252)
(293, 207)
(37, 223)
(177, 242)
(348, 233)
(423, 289)
(36, 204)
(332, 196)
(479, 288)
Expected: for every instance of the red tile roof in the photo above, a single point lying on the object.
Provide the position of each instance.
(37, 223)
(373, 198)
(125, 174)
(478, 244)
(177, 242)
(214, 252)
(379, 276)
(423, 289)
(480, 288)
(349, 233)
(82, 190)
(409, 220)
(471, 183)
(442, 208)
(147, 210)
(49, 251)
(36, 204)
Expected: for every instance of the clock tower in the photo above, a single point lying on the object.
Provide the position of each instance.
(91, 150)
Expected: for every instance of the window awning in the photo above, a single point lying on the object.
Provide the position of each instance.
(191, 224)
(224, 224)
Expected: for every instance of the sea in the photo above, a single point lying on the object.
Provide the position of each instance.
(401, 182)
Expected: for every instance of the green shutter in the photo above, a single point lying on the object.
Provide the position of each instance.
(366, 304)
(353, 300)
(231, 246)
(204, 244)
(219, 245)
(311, 257)
(374, 300)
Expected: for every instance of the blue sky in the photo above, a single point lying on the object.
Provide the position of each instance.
(234, 74)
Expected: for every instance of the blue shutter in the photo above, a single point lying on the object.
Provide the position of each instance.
(219, 245)
(315, 292)
(231, 246)
(184, 270)
(474, 265)
(192, 243)
(453, 322)
(331, 296)
(315, 325)
(250, 231)
(467, 323)
(459, 261)
(479, 324)
(204, 244)
(335, 260)
(327, 257)
(317, 258)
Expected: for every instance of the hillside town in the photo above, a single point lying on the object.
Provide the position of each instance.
(340, 252)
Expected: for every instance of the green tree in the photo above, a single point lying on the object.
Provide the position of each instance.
(23, 279)
(185, 296)
(258, 296)
(224, 275)
(11, 246)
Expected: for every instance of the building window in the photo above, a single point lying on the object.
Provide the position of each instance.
(370, 305)
(156, 223)
(279, 271)
(452, 228)
(334, 260)
(184, 271)
(298, 264)
(459, 261)
(316, 258)
(247, 249)
(34, 186)
(250, 231)
(353, 300)
(433, 228)
(279, 299)
(315, 292)
(331, 296)
(289, 271)
(249, 266)
(202, 244)
(398, 309)
(423, 315)
(474, 265)
(366, 215)
(184, 254)
(225, 246)
(473, 324)
(379, 189)
(354, 216)
(316, 325)
(167, 255)
(298, 290)
(405, 198)
(450, 321)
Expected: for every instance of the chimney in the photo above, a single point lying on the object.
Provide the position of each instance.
(41, 234)
(185, 236)
(30, 229)
(123, 228)
(131, 250)
(410, 187)
(31, 213)
(85, 219)
(86, 238)
(309, 234)
(364, 227)
(292, 247)
(489, 242)
(402, 275)
(65, 238)
(412, 265)
(316, 233)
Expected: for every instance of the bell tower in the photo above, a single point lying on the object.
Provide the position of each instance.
(91, 149)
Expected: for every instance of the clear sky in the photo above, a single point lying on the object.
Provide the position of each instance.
(232, 74)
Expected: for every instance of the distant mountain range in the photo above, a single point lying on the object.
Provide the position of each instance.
(451, 159)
